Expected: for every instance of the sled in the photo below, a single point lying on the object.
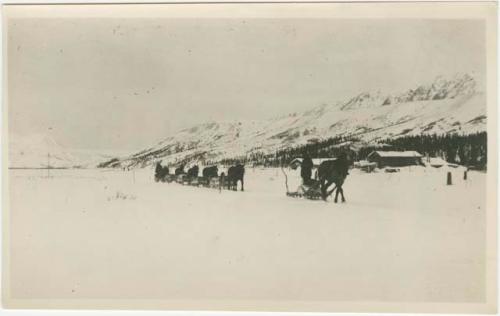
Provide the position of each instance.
(214, 183)
(170, 178)
(202, 181)
(193, 181)
(181, 178)
(310, 191)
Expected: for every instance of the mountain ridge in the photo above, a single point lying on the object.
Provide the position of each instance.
(444, 106)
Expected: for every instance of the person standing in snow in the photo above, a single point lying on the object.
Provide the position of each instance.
(158, 171)
(306, 169)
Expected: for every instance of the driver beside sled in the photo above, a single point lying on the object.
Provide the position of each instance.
(310, 187)
(306, 169)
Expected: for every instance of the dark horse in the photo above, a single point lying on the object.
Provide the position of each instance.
(235, 174)
(210, 172)
(160, 172)
(193, 171)
(333, 171)
(179, 170)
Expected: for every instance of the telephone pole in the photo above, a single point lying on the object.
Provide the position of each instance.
(48, 165)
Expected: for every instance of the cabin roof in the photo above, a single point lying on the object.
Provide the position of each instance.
(400, 154)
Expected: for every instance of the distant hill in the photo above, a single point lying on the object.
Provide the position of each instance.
(32, 151)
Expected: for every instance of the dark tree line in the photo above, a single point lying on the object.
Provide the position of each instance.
(469, 150)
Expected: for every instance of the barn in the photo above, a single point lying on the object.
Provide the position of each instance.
(395, 158)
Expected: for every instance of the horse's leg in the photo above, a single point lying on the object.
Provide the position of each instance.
(337, 195)
(242, 184)
(342, 194)
(324, 189)
(331, 191)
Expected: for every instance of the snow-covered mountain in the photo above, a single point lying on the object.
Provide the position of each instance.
(453, 105)
(40, 151)
(444, 106)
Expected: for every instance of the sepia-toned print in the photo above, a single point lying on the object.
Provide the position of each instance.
(280, 157)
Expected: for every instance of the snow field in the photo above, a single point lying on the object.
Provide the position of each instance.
(403, 236)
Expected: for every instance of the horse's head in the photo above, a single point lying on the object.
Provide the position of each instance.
(348, 155)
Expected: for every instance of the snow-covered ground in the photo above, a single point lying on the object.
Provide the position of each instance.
(117, 234)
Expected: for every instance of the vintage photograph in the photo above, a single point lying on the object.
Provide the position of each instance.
(293, 157)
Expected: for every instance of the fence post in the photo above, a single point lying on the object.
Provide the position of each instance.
(448, 180)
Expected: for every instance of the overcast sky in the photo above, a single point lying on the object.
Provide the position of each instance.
(125, 84)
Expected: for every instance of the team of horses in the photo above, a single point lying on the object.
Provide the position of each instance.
(210, 176)
(330, 173)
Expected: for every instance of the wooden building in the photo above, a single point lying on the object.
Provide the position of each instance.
(395, 158)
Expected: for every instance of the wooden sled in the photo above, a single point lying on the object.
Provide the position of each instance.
(311, 191)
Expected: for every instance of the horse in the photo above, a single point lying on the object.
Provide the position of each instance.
(234, 174)
(160, 172)
(193, 172)
(210, 172)
(179, 170)
(333, 171)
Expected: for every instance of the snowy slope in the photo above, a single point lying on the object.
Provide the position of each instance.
(444, 106)
(454, 105)
(39, 151)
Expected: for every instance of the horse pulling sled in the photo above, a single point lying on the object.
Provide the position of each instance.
(210, 177)
(332, 171)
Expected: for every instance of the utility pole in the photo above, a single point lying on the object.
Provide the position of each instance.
(48, 164)
(48, 152)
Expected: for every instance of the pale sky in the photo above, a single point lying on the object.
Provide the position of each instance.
(125, 84)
